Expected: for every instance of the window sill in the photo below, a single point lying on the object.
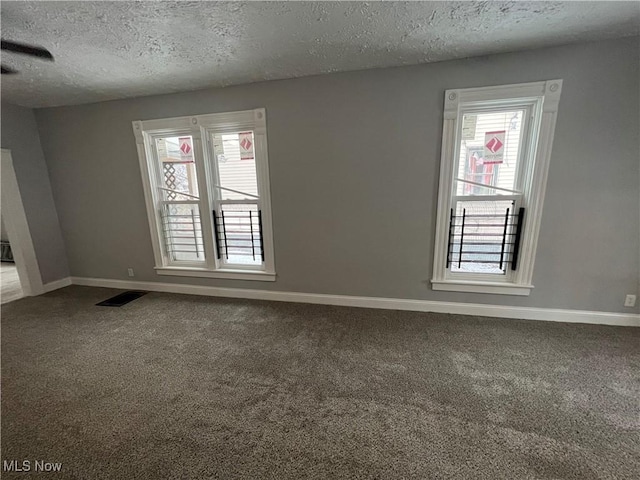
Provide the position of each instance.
(226, 273)
(481, 287)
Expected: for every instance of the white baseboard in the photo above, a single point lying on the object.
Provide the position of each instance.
(55, 285)
(524, 313)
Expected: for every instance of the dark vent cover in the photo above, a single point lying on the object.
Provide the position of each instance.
(122, 299)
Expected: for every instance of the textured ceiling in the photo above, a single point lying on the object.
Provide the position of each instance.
(108, 50)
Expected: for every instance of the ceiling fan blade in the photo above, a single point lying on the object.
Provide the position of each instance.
(26, 49)
(5, 70)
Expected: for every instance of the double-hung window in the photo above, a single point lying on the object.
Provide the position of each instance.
(206, 184)
(496, 150)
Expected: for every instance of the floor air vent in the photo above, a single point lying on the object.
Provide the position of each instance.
(122, 299)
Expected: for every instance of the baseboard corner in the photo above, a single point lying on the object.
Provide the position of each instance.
(57, 284)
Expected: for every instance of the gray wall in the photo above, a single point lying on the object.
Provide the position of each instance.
(20, 135)
(354, 170)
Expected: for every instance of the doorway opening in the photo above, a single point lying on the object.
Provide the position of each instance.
(19, 270)
(10, 286)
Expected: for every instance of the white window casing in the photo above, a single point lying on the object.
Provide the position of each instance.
(202, 257)
(537, 106)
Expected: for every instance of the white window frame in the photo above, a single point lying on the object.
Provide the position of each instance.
(541, 100)
(201, 128)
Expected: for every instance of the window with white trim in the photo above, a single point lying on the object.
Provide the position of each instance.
(496, 148)
(206, 184)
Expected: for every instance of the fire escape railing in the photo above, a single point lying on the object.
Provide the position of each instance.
(491, 239)
(239, 231)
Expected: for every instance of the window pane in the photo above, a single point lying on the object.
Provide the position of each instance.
(239, 234)
(479, 247)
(182, 232)
(178, 169)
(236, 161)
(490, 152)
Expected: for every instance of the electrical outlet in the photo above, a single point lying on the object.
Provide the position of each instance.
(630, 301)
(130, 272)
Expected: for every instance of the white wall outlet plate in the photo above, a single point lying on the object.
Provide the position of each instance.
(130, 271)
(630, 301)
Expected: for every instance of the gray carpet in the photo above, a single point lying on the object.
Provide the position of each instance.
(178, 386)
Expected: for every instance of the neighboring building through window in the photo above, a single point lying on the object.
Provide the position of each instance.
(495, 157)
(207, 194)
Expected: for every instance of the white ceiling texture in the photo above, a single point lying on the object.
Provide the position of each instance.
(108, 50)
